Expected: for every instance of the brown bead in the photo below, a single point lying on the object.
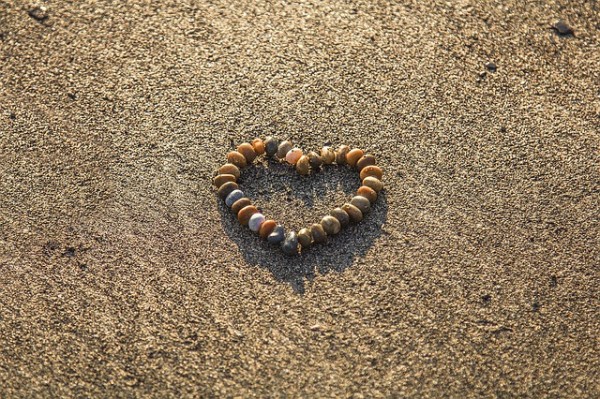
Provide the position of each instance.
(283, 149)
(366, 160)
(331, 225)
(373, 183)
(219, 180)
(371, 170)
(239, 204)
(246, 213)
(362, 203)
(354, 213)
(318, 233)
(353, 156)
(305, 237)
(341, 216)
(340, 154)
(227, 188)
(303, 165)
(229, 169)
(247, 151)
(266, 228)
(237, 159)
(259, 146)
(368, 193)
(314, 160)
(327, 155)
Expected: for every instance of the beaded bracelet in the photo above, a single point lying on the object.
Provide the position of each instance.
(227, 175)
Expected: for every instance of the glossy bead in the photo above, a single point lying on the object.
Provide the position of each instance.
(341, 216)
(247, 151)
(229, 169)
(368, 193)
(353, 156)
(256, 221)
(271, 145)
(259, 146)
(303, 165)
(277, 235)
(239, 204)
(340, 154)
(226, 189)
(290, 244)
(293, 155)
(219, 180)
(233, 197)
(267, 228)
(237, 159)
(373, 183)
(354, 213)
(331, 225)
(246, 213)
(314, 160)
(371, 170)
(363, 204)
(365, 160)
(283, 149)
(305, 238)
(327, 155)
(318, 233)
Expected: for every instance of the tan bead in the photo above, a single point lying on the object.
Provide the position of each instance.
(318, 233)
(305, 237)
(239, 204)
(365, 160)
(353, 156)
(341, 216)
(293, 156)
(259, 146)
(303, 165)
(219, 180)
(327, 155)
(362, 203)
(371, 170)
(229, 169)
(237, 159)
(283, 149)
(331, 225)
(227, 188)
(373, 183)
(246, 213)
(354, 213)
(340, 154)
(247, 151)
(266, 228)
(368, 193)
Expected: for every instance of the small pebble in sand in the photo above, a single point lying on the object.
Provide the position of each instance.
(371, 170)
(247, 151)
(490, 66)
(246, 213)
(256, 221)
(237, 159)
(562, 28)
(39, 13)
(361, 203)
(233, 196)
(283, 149)
(293, 155)
(354, 213)
(271, 145)
(277, 235)
(290, 244)
(341, 216)
(331, 225)
(303, 165)
(226, 189)
(327, 155)
(305, 238)
(318, 233)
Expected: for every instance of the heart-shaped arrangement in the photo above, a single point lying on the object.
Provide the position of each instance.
(291, 243)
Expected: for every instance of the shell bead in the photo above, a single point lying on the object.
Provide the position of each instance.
(229, 169)
(239, 204)
(259, 146)
(237, 159)
(247, 151)
(368, 193)
(233, 197)
(331, 225)
(283, 149)
(353, 156)
(363, 204)
(340, 154)
(373, 183)
(365, 160)
(246, 213)
(303, 165)
(293, 155)
(226, 189)
(314, 160)
(352, 211)
(277, 235)
(219, 180)
(342, 216)
(305, 238)
(371, 170)
(327, 155)
(256, 222)
(318, 233)
(290, 244)
(271, 145)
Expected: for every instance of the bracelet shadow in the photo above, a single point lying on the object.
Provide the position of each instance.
(271, 182)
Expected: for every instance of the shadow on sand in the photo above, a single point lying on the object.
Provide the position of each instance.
(277, 182)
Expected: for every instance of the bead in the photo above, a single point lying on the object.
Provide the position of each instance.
(283, 149)
(277, 235)
(331, 225)
(368, 193)
(259, 146)
(226, 189)
(246, 213)
(303, 165)
(353, 156)
(327, 155)
(341, 216)
(233, 197)
(373, 183)
(290, 245)
(219, 180)
(318, 233)
(314, 160)
(371, 170)
(256, 221)
(293, 155)
(363, 204)
(266, 228)
(354, 213)
(271, 145)
(340, 154)
(304, 238)
(237, 159)
(365, 160)
(247, 151)
(239, 204)
(229, 169)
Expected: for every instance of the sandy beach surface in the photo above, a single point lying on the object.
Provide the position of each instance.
(475, 275)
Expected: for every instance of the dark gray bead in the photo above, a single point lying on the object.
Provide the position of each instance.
(277, 235)
(271, 145)
(290, 245)
(361, 203)
(342, 216)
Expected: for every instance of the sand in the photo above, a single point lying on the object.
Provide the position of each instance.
(476, 275)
